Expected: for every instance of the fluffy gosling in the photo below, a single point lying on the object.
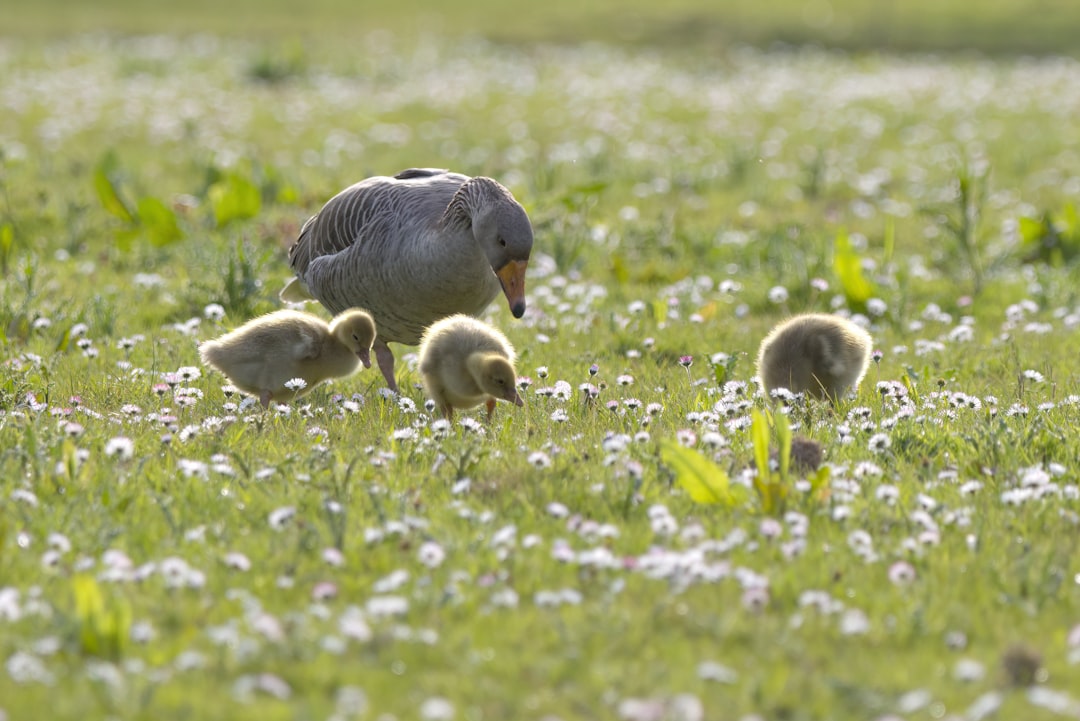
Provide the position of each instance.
(821, 355)
(265, 353)
(465, 362)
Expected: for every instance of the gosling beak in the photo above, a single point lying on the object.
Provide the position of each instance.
(512, 278)
(513, 397)
(365, 357)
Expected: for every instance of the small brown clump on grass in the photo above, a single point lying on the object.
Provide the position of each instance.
(806, 455)
(1021, 665)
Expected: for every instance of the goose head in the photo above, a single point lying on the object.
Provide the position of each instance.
(495, 375)
(504, 233)
(355, 329)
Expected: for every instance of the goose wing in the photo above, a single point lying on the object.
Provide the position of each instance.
(380, 210)
(411, 173)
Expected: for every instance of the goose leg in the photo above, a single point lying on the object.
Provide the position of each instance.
(386, 363)
(264, 399)
(490, 408)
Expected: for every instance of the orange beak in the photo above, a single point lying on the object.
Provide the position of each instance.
(512, 278)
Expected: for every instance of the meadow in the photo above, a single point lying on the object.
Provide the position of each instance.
(620, 547)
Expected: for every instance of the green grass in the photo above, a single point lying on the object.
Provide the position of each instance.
(995, 26)
(670, 195)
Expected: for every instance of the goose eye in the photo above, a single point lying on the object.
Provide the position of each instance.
(502, 242)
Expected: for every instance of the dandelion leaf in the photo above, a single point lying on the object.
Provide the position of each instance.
(104, 621)
(619, 269)
(1032, 230)
(783, 438)
(234, 197)
(759, 436)
(159, 222)
(7, 243)
(847, 264)
(108, 190)
(701, 478)
(819, 483)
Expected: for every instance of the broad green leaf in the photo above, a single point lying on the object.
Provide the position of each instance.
(234, 197)
(108, 189)
(159, 222)
(783, 438)
(819, 483)
(659, 310)
(287, 194)
(88, 599)
(1031, 230)
(773, 495)
(910, 377)
(104, 622)
(89, 607)
(7, 245)
(701, 478)
(126, 237)
(848, 268)
(759, 435)
(64, 342)
(618, 269)
(70, 459)
(7, 239)
(1070, 221)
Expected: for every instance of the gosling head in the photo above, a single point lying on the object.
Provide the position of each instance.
(495, 375)
(355, 329)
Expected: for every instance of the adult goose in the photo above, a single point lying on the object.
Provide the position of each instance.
(265, 354)
(412, 249)
(818, 354)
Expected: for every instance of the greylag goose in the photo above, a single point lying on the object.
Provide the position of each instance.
(465, 362)
(412, 249)
(818, 354)
(267, 352)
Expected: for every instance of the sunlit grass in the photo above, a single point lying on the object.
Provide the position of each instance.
(333, 27)
(169, 550)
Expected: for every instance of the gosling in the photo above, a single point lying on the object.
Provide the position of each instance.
(465, 362)
(265, 353)
(821, 355)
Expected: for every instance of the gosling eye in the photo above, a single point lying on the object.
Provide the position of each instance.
(502, 242)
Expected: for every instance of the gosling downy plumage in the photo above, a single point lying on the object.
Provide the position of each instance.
(821, 355)
(465, 362)
(420, 246)
(262, 355)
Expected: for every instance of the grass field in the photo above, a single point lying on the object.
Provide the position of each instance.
(168, 551)
(1039, 27)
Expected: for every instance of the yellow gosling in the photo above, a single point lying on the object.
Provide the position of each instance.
(465, 362)
(267, 352)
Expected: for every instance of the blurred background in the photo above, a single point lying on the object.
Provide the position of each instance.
(1038, 27)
